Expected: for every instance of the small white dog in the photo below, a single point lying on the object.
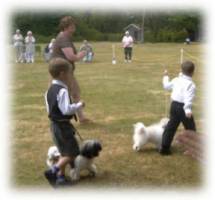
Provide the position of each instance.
(53, 156)
(150, 134)
(89, 150)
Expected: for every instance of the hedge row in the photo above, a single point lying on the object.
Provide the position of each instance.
(94, 35)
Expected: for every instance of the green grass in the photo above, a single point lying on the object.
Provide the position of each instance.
(116, 96)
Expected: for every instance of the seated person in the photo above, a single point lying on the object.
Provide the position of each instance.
(88, 48)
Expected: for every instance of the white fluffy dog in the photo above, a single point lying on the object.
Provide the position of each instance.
(150, 134)
(89, 150)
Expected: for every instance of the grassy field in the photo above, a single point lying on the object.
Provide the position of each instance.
(116, 97)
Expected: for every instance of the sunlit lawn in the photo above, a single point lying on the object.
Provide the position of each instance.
(116, 97)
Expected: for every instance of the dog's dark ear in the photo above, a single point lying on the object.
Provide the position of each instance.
(86, 151)
(99, 146)
(96, 148)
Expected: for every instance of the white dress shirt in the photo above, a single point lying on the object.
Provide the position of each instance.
(64, 101)
(183, 90)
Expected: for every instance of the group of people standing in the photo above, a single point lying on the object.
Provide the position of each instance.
(24, 47)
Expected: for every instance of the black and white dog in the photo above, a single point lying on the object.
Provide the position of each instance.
(89, 150)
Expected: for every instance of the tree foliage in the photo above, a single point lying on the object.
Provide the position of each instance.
(97, 26)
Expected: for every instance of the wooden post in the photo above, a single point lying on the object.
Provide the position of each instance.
(182, 56)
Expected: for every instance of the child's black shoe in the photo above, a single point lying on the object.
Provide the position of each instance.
(63, 182)
(165, 152)
(51, 177)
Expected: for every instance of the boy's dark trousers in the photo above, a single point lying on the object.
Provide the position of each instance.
(177, 115)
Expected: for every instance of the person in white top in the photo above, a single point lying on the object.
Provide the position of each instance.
(183, 93)
(127, 43)
(49, 50)
(18, 45)
(29, 47)
(51, 45)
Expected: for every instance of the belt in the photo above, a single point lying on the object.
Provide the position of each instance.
(64, 120)
(178, 103)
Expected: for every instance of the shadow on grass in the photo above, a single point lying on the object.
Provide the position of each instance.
(149, 150)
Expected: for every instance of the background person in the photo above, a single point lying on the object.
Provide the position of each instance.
(18, 45)
(89, 51)
(127, 43)
(51, 45)
(64, 48)
(48, 50)
(29, 47)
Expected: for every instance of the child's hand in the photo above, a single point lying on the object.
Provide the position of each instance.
(188, 115)
(165, 73)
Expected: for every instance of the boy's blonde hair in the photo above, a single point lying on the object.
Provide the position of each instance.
(58, 65)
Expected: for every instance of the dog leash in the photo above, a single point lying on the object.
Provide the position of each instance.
(79, 135)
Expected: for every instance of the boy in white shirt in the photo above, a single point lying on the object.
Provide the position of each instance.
(183, 92)
(61, 110)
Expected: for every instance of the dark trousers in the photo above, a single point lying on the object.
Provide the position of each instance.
(177, 115)
(128, 53)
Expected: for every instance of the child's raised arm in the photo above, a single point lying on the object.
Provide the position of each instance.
(167, 85)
